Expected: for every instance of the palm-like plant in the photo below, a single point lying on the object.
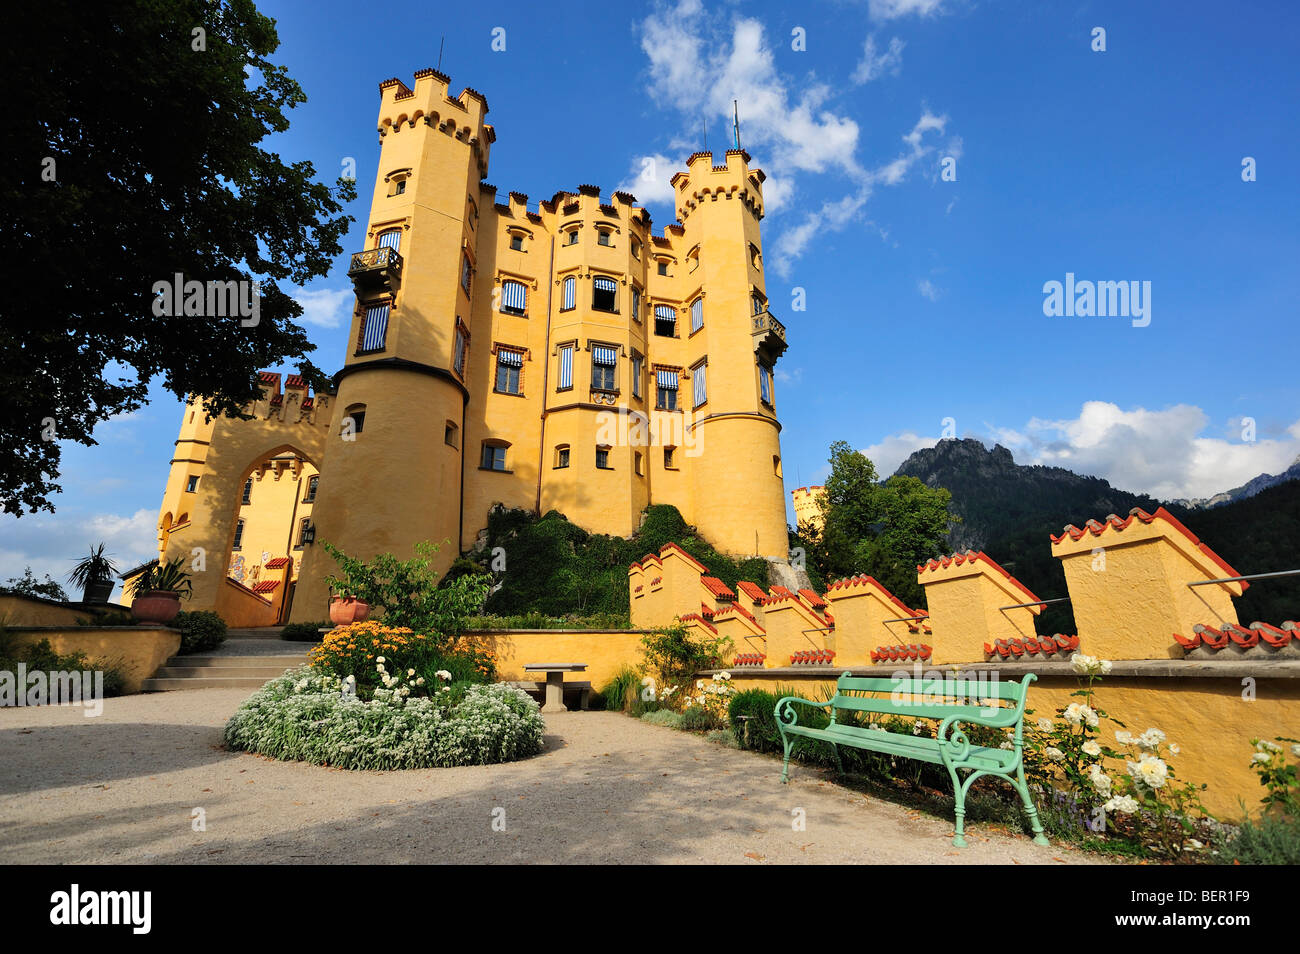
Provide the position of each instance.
(167, 577)
(95, 568)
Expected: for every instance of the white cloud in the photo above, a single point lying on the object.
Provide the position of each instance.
(831, 217)
(649, 179)
(51, 543)
(790, 376)
(1164, 453)
(873, 65)
(893, 9)
(325, 307)
(928, 289)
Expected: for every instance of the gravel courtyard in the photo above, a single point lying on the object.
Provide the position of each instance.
(123, 788)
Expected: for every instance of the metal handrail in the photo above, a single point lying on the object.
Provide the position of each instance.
(1252, 576)
(906, 619)
(1060, 599)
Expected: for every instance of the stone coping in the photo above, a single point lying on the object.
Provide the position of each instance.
(1122, 669)
(492, 632)
(80, 627)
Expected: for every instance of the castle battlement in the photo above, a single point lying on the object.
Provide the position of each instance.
(293, 405)
(430, 102)
(705, 181)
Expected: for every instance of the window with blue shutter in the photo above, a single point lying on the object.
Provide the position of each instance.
(638, 364)
(604, 362)
(697, 315)
(514, 298)
(458, 360)
(566, 368)
(636, 303)
(604, 294)
(666, 389)
(570, 293)
(374, 330)
(391, 239)
(666, 321)
(765, 383)
(698, 378)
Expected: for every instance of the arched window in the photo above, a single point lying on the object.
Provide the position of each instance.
(514, 297)
(494, 455)
(312, 482)
(561, 456)
(604, 294)
(239, 535)
(354, 422)
(390, 238)
(697, 315)
(666, 321)
(569, 299)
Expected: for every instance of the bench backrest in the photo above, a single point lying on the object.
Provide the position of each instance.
(930, 698)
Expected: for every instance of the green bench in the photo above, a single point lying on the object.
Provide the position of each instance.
(955, 703)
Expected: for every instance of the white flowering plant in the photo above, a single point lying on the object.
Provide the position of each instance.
(711, 700)
(1278, 774)
(1150, 801)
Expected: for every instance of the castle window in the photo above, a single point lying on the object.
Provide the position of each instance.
(514, 297)
(669, 457)
(192, 484)
(604, 364)
(451, 434)
(693, 259)
(562, 457)
(604, 294)
(458, 358)
(390, 238)
(663, 268)
(666, 390)
(776, 465)
(604, 237)
(571, 237)
(666, 321)
(247, 498)
(466, 271)
(569, 297)
(637, 464)
(602, 458)
(239, 535)
(399, 187)
(701, 390)
(494, 455)
(517, 242)
(303, 524)
(566, 368)
(636, 303)
(755, 257)
(510, 366)
(697, 315)
(760, 304)
(312, 483)
(374, 329)
(765, 383)
(636, 249)
(638, 368)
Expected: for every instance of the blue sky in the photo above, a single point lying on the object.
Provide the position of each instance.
(924, 296)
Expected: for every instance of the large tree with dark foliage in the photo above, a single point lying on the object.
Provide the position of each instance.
(134, 149)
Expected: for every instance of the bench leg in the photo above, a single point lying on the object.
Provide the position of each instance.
(838, 764)
(785, 766)
(1030, 809)
(959, 796)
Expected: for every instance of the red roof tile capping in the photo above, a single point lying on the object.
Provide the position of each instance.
(813, 598)
(667, 547)
(1112, 522)
(743, 612)
(717, 588)
(278, 563)
(752, 590)
(862, 580)
(970, 556)
(1259, 636)
(269, 377)
(697, 618)
(266, 586)
(1040, 645)
(296, 381)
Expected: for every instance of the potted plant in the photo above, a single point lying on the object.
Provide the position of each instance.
(158, 592)
(346, 608)
(94, 574)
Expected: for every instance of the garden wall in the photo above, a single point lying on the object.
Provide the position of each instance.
(137, 651)
(605, 653)
(1203, 708)
(35, 611)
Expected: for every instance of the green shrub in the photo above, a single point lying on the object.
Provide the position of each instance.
(752, 721)
(619, 693)
(43, 657)
(303, 716)
(698, 719)
(674, 654)
(305, 632)
(664, 717)
(591, 621)
(640, 706)
(1273, 840)
(201, 630)
(722, 737)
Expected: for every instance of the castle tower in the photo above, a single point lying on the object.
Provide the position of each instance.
(394, 471)
(739, 494)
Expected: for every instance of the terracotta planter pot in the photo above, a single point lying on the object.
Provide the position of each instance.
(97, 591)
(345, 610)
(156, 606)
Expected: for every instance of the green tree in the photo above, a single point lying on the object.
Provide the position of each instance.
(883, 529)
(134, 151)
(28, 585)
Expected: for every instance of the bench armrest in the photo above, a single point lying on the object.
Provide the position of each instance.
(784, 709)
(1003, 719)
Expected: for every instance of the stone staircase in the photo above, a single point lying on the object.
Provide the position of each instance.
(220, 672)
(258, 632)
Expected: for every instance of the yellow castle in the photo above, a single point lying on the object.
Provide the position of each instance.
(564, 357)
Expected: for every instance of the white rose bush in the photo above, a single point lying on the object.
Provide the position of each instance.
(305, 716)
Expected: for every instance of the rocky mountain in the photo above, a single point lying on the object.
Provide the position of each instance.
(1248, 489)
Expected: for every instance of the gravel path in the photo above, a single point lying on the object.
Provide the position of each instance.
(122, 788)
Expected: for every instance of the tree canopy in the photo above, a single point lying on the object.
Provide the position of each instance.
(135, 152)
(883, 529)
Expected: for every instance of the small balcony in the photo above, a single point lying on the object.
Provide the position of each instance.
(769, 334)
(376, 268)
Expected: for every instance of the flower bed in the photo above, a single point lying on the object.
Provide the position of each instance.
(309, 717)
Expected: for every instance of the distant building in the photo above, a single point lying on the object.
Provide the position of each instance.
(807, 506)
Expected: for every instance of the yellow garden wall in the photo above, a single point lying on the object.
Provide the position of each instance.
(605, 653)
(23, 611)
(137, 650)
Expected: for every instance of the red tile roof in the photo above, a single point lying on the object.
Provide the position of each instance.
(813, 599)
(736, 607)
(749, 659)
(895, 653)
(672, 547)
(1112, 522)
(1257, 639)
(812, 657)
(697, 618)
(752, 590)
(1032, 646)
(296, 381)
(970, 556)
(863, 579)
(265, 586)
(717, 588)
(278, 563)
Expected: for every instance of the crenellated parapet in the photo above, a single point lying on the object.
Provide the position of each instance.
(295, 404)
(429, 102)
(706, 182)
